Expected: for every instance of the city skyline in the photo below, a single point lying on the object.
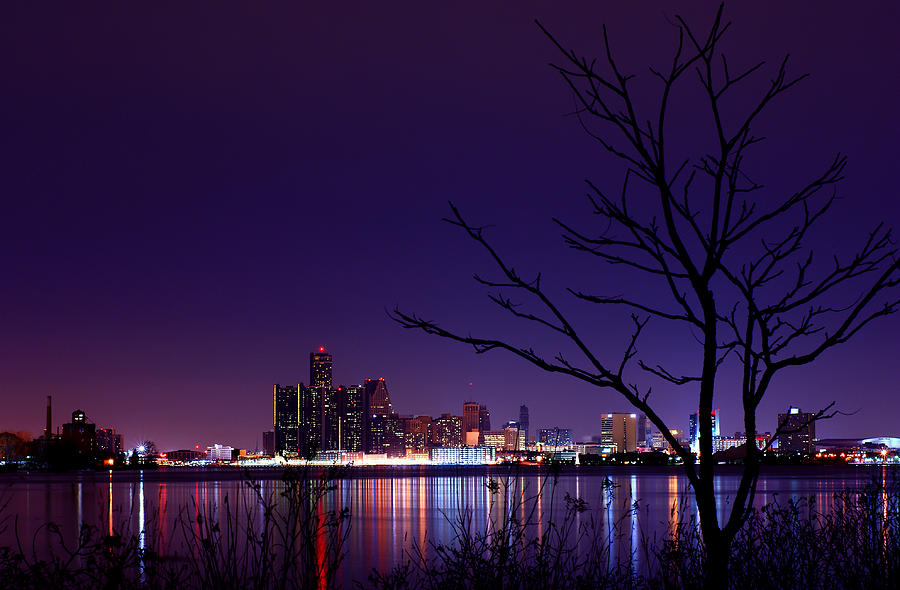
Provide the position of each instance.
(196, 201)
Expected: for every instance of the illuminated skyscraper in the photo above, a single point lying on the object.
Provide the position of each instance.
(330, 419)
(378, 411)
(310, 419)
(320, 368)
(447, 431)
(286, 420)
(622, 432)
(352, 410)
(694, 429)
(556, 437)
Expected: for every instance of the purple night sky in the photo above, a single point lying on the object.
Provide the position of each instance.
(196, 196)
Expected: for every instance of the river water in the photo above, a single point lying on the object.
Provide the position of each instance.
(393, 511)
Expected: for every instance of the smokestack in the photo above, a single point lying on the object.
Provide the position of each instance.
(49, 430)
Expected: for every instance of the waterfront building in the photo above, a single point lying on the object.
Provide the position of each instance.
(446, 431)
(463, 455)
(184, 455)
(269, 442)
(523, 422)
(310, 427)
(417, 432)
(694, 428)
(623, 433)
(378, 412)
(799, 432)
(555, 437)
(108, 442)
(352, 425)
(286, 402)
(484, 418)
(81, 433)
(320, 367)
(470, 417)
(494, 438)
(218, 452)
(330, 419)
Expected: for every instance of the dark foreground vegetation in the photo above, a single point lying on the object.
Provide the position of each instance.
(291, 540)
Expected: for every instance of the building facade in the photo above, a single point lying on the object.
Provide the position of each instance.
(799, 432)
(286, 402)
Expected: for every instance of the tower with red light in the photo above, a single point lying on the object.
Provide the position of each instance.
(320, 368)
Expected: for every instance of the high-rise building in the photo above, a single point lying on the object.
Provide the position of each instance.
(108, 442)
(694, 429)
(470, 417)
(484, 418)
(799, 430)
(311, 413)
(447, 431)
(417, 432)
(320, 368)
(378, 412)
(523, 421)
(556, 437)
(286, 419)
(623, 432)
(81, 433)
(352, 425)
(269, 442)
(331, 417)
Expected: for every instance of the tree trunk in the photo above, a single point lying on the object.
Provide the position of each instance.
(715, 567)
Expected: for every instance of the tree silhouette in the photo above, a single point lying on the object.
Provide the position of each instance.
(738, 270)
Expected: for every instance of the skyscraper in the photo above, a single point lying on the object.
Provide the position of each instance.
(484, 418)
(286, 419)
(330, 419)
(799, 432)
(310, 419)
(470, 417)
(622, 432)
(694, 429)
(320, 368)
(523, 421)
(352, 410)
(447, 431)
(378, 412)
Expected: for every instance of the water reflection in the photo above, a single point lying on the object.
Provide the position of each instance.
(399, 514)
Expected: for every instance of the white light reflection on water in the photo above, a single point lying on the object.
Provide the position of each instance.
(396, 510)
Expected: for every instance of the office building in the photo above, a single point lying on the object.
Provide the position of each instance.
(446, 431)
(320, 366)
(623, 433)
(221, 453)
(484, 418)
(269, 442)
(694, 429)
(470, 417)
(330, 419)
(286, 421)
(380, 433)
(81, 433)
(311, 414)
(799, 432)
(352, 425)
(108, 442)
(417, 432)
(523, 421)
(463, 455)
(555, 437)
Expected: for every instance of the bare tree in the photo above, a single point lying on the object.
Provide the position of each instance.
(739, 271)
